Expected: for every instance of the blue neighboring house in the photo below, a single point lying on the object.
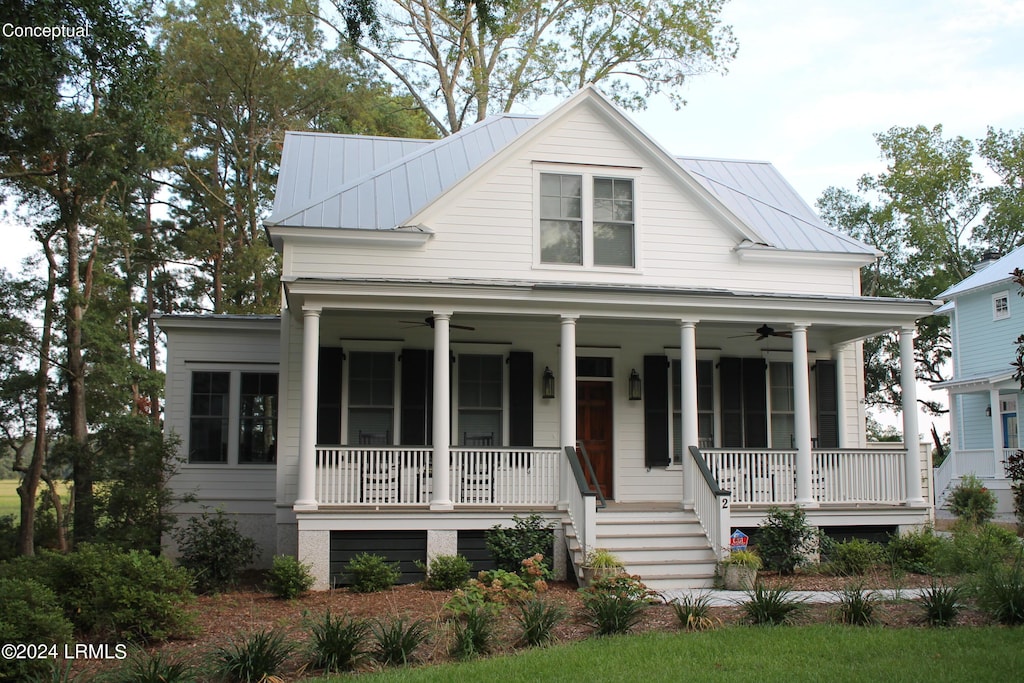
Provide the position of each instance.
(986, 315)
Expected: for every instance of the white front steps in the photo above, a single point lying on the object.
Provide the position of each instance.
(667, 549)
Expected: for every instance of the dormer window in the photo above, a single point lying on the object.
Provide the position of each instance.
(587, 220)
(1001, 306)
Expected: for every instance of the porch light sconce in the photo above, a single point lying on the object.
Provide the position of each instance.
(548, 384)
(634, 386)
(988, 411)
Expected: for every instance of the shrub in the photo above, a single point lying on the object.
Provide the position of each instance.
(214, 550)
(615, 604)
(1001, 592)
(941, 604)
(857, 606)
(1015, 473)
(771, 606)
(30, 614)
(338, 644)
(537, 619)
(109, 592)
(289, 578)
(474, 633)
(785, 539)
(8, 537)
(372, 573)
(529, 536)
(854, 557)
(694, 612)
(153, 668)
(915, 551)
(447, 572)
(397, 640)
(253, 658)
(971, 501)
(975, 548)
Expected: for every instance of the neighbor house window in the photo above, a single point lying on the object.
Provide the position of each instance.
(233, 417)
(1001, 306)
(257, 441)
(481, 380)
(208, 427)
(371, 397)
(587, 220)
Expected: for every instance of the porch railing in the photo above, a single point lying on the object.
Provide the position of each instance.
(711, 505)
(837, 475)
(403, 475)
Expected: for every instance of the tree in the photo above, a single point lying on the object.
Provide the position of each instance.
(1003, 226)
(75, 123)
(920, 217)
(242, 72)
(464, 60)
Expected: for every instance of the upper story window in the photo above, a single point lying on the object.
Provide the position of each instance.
(233, 418)
(1001, 306)
(587, 220)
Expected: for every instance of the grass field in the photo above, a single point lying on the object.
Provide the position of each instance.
(756, 654)
(10, 504)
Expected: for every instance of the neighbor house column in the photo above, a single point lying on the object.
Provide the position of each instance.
(306, 499)
(442, 499)
(567, 401)
(802, 418)
(997, 430)
(688, 405)
(911, 431)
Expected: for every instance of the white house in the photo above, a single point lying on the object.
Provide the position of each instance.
(470, 307)
(986, 314)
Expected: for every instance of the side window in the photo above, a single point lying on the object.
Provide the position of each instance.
(208, 425)
(1001, 306)
(257, 441)
(613, 222)
(561, 218)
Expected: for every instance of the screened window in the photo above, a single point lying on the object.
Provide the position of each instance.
(705, 407)
(257, 441)
(1001, 306)
(613, 222)
(783, 406)
(371, 397)
(561, 218)
(208, 426)
(480, 399)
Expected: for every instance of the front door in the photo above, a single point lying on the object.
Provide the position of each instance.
(594, 430)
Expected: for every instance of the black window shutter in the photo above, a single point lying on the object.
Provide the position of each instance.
(828, 403)
(417, 397)
(656, 411)
(328, 396)
(520, 398)
(755, 403)
(731, 379)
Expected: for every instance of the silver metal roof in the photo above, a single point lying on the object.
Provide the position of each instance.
(354, 182)
(994, 273)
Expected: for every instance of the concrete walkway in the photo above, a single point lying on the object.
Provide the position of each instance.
(723, 598)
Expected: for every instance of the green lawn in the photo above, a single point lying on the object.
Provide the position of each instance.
(798, 653)
(10, 504)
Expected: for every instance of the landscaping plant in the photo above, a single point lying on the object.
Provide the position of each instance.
(372, 573)
(214, 550)
(771, 606)
(784, 539)
(537, 620)
(694, 612)
(1001, 591)
(615, 604)
(253, 658)
(142, 667)
(941, 604)
(338, 643)
(857, 606)
(854, 557)
(473, 632)
(446, 572)
(29, 613)
(527, 537)
(1014, 465)
(289, 578)
(397, 640)
(915, 551)
(971, 501)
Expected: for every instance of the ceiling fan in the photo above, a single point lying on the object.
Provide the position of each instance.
(766, 331)
(429, 322)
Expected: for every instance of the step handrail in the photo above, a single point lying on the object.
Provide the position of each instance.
(581, 480)
(711, 504)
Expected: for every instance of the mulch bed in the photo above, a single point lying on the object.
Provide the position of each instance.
(221, 618)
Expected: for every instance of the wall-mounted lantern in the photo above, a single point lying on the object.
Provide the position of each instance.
(548, 384)
(634, 386)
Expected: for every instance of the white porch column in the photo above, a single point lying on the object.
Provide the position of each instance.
(997, 430)
(802, 417)
(688, 403)
(442, 499)
(306, 499)
(567, 399)
(911, 431)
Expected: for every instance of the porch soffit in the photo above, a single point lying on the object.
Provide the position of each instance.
(984, 382)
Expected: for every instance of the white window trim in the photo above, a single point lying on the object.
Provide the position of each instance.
(588, 173)
(996, 298)
(234, 412)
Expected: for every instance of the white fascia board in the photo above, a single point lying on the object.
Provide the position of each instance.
(266, 323)
(413, 236)
(759, 253)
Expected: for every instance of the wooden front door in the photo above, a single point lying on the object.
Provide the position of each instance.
(594, 430)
